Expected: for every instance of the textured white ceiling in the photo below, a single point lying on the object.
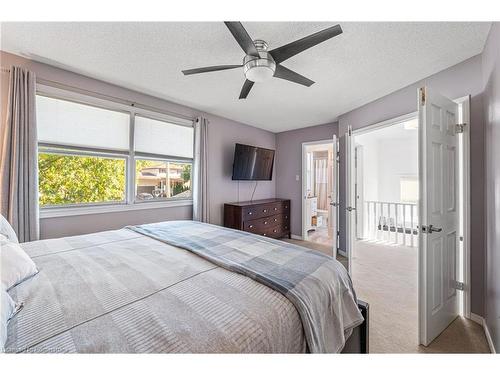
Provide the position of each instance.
(367, 61)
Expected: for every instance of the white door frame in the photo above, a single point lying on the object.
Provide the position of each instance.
(464, 112)
(304, 176)
(464, 275)
(350, 175)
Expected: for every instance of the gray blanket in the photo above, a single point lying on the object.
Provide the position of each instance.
(123, 292)
(318, 286)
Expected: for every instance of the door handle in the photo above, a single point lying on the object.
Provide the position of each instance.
(334, 204)
(430, 228)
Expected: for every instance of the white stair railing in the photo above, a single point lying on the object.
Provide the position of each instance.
(392, 222)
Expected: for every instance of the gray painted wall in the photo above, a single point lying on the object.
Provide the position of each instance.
(289, 165)
(223, 133)
(455, 82)
(82, 224)
(491, 100)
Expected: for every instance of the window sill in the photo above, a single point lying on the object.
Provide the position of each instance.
(46, 213)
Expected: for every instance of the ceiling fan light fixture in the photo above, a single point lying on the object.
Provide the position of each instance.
(259, 69)
(259, 73)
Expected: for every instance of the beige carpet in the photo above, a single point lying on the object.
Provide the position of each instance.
(320, 235)
(385, 276)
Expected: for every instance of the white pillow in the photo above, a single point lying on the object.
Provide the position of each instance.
(6, 230)
(16, 266)
(8, 308)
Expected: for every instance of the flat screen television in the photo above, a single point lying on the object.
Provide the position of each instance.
(252, 163)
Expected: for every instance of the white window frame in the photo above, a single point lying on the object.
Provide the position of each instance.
(129, 203)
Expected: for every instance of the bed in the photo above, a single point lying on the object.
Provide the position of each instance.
(142, 290)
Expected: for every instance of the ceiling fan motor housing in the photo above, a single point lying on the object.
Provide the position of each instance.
(259, 69)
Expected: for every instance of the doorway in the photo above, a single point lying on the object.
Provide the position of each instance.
(384, 257)
(410, 230)
(319, 192)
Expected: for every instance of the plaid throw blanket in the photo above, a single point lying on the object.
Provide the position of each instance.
(318, 286)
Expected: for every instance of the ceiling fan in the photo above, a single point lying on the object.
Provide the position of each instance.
(259, 64)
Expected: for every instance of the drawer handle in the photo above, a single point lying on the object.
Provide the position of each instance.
(265, 222)
(250, 226)
(275, 219)
(275, 231)
(275, 208)
(286, 217)
(250, 212)
(286, 206)
(264, 234)
(264, 210)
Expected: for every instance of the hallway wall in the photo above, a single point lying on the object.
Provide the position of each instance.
(491, 80)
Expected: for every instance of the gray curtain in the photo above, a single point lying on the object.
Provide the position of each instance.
(18, 164)
(201, 207)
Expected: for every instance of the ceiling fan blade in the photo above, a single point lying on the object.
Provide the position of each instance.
(282, 53)
(242, 37)
(210, 69)
(247, 86)
(290, 75)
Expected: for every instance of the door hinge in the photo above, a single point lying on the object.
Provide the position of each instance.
(459, 128)
(422, 95)
(459, 285)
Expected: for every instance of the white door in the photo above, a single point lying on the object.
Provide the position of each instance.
(350, 197)
(333, 225)
(438, 217)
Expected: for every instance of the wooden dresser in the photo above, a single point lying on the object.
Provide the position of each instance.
(267, 217)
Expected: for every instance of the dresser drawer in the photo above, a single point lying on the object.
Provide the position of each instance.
(265, 222)
(274, 231)
(264, 210)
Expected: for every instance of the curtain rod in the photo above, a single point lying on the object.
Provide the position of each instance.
(107, 97)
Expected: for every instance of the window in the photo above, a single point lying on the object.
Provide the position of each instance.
(65, 178)
(409, 189)
(157, 179)
(85, 155)
(164, 154)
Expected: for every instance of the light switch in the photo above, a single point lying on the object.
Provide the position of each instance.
(297, 178)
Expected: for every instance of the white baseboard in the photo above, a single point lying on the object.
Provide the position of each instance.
(477, 318)
(480, 320)
(295, 237)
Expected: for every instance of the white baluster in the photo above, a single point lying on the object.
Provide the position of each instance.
(396, 223)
